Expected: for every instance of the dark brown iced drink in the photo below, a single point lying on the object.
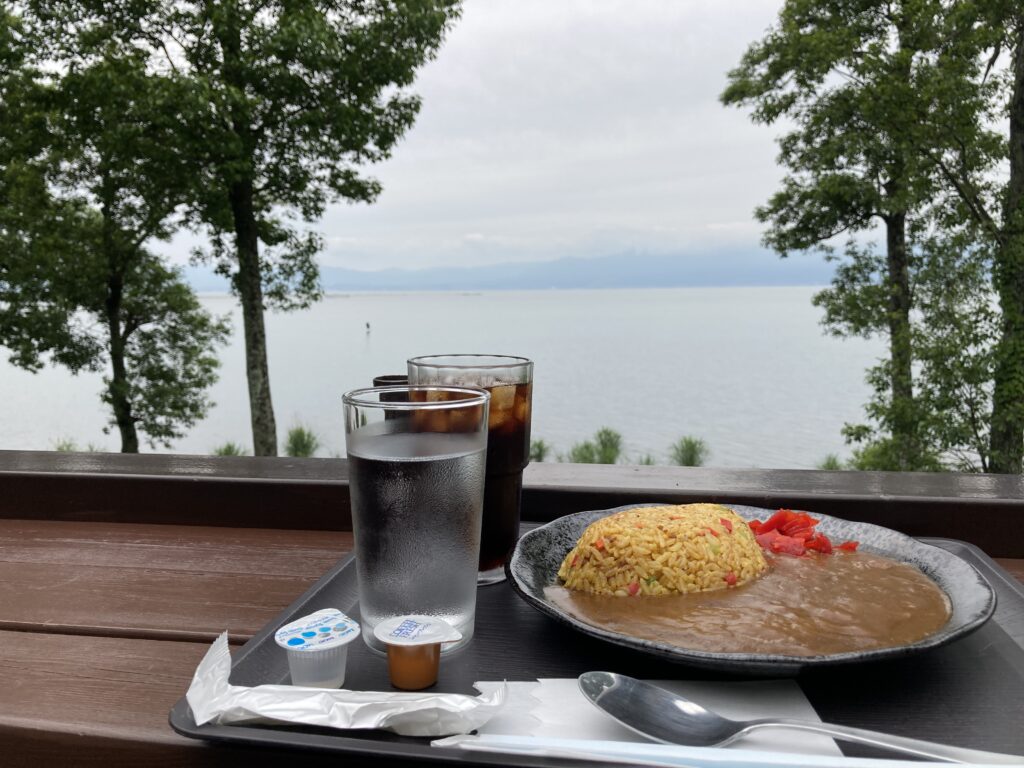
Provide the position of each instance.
(510, 382)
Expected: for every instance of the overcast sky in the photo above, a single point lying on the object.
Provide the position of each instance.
(557, 128)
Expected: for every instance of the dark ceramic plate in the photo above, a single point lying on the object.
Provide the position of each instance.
(534, 566)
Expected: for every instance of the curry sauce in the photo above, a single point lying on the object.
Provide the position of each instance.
(802, 606)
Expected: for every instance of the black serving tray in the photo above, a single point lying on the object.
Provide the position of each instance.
(969, 693)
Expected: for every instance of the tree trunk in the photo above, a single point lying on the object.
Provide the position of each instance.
(248, 282)
(1007, 430)
(903, 426)
(119, 388)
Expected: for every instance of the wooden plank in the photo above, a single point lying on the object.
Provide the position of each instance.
(96, 686)
(173, 547)
(98, 702)
(167, 582)
(130, 602)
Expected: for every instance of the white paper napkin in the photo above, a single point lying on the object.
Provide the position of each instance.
(562, 711)
(666, 755)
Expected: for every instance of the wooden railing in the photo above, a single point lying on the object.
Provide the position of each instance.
(312, 494)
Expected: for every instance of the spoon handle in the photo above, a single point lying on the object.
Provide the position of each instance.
(916, 747)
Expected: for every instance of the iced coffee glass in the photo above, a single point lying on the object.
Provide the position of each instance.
(510, 382)
(416, 479)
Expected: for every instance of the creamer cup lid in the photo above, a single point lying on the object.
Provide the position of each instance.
(415, 630)
(318, 631)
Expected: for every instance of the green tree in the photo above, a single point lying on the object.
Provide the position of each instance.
(955, 341)
(229, 448)
(539, 450)
(605, 448)
(990, 199)
(689, 451)
(1007, 438)
(301, 442)
(953, 332)
(830, 462)
(847, 77)
(89, 175)
(289, 100)
(938, 80)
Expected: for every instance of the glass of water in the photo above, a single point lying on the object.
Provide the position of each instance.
(416, 479)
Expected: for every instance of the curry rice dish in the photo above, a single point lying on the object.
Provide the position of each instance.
(679, 562)
(664, 550)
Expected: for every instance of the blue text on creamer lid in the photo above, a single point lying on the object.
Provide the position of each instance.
(415, 630)
(327, 628)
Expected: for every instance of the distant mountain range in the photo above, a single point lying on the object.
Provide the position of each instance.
(713, 268)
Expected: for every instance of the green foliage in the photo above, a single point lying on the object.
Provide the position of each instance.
(294, 99)
(68, 445)
(249, 117)
(953, 332)
(605, 448)
(91, 168)
(539, 450)
(689, 451)
(890, 111)
(584, 452)
(301, 442)
(169, 352)
(883, 454)
(989, 203)
(300, 96)
(831, 462)
(850, 158)
(646, 460)
(956, 342)
(229, 448)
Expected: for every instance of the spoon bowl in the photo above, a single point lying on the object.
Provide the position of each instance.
(665, 717)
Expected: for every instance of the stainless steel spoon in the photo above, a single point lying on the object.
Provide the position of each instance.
(663, 716)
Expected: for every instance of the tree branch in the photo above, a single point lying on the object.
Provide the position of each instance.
(970, 198)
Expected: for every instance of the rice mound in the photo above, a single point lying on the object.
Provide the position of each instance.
(664, 550)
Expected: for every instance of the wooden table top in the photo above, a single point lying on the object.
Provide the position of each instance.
(102, 625)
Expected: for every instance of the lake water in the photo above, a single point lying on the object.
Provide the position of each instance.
(749, 370)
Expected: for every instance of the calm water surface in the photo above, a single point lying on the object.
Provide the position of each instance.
(747, 369)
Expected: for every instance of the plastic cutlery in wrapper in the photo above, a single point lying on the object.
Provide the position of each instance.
(214, 700)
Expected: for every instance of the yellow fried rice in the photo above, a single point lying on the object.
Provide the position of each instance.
(663, 550)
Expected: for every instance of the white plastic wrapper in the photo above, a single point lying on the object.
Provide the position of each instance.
(214, 700)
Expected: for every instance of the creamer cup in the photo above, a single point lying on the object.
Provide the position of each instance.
(317, 647)
(414, 648)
